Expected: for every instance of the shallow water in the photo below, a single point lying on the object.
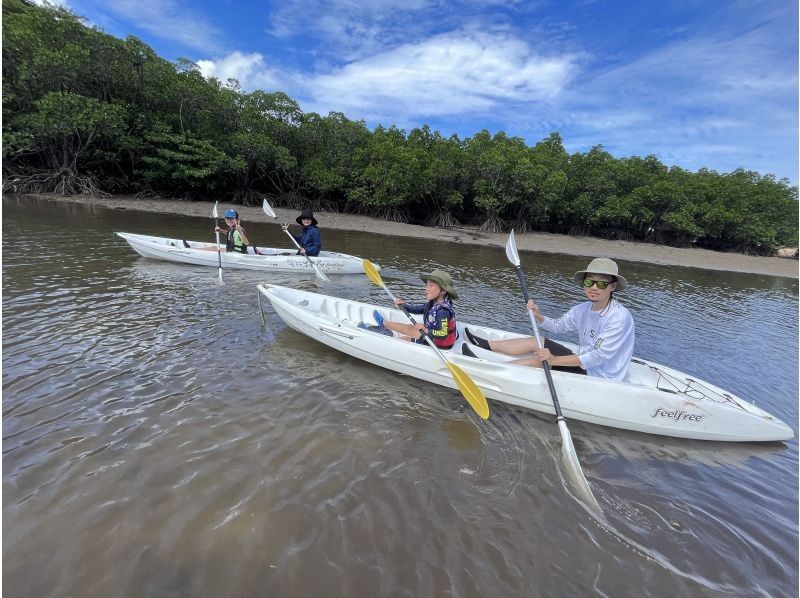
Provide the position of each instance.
(158, 441)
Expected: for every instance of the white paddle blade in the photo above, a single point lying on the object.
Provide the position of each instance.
(320, 274)
(511, 249)
(214, 212)
(574, 468)
(268, 209)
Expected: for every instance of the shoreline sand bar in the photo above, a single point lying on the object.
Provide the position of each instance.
(536, 241)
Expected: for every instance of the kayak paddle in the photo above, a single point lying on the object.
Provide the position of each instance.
(465, 384)
(271, 213)
(573, 465)
(215, 215)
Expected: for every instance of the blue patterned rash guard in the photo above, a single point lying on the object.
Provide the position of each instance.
(440, 320)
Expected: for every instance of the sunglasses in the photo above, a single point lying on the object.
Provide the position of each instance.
(601, 284)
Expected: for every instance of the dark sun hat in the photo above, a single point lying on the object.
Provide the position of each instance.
(306, 214)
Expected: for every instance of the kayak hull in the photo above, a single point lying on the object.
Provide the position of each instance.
(199, 253)
(655, 400)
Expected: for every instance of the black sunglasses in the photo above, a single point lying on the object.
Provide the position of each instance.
(601, 284)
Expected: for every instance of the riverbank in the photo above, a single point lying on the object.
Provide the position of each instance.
(542, 242)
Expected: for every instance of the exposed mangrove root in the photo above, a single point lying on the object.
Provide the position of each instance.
(296, 201)
(63, 183)
(492, 224)
(147, 192)
(521, 226)
(247, 197)
(394, 215)
(442, 219)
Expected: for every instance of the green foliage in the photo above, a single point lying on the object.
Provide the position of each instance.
(64, 126)
(176, 161)
(77, 101)
(386, 171)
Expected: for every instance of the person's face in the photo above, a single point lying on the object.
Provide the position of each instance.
(594, 293)
(306, 221)
(230, 221)
(432, 290)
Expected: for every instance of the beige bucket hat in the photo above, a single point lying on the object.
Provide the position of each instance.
(602, 265)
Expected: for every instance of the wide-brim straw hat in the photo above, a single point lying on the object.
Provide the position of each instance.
(443, 279)
(602, 265)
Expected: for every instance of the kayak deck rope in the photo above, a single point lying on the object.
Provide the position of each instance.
(688, 386)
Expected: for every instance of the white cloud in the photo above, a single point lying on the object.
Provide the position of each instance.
(453, 73)
(61, 3)
(724, 101)
(169, 20)
(356, 29)
(249, 69)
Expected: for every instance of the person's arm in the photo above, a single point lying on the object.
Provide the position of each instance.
(242, 234)
(566, 323)
(415, 308)
(313, 243)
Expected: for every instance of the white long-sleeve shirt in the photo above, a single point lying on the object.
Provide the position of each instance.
(605, 342)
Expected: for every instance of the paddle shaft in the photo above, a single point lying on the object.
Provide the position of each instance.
(465, 384)
(296, 244)
(413, 321)
(545, 365)
(216, 232)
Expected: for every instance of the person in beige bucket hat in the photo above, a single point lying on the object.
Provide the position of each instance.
(602, 265)
(605, 329)
(438, 313)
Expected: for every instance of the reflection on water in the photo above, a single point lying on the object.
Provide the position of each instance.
(183, 449)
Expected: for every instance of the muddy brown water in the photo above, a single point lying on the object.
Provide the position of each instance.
(158, 441)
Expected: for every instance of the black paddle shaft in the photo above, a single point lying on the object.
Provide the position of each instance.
(545, 365)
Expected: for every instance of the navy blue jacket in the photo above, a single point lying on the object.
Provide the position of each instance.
(310, 240)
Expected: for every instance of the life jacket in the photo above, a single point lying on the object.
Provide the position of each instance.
(234, 242)
(443, 339)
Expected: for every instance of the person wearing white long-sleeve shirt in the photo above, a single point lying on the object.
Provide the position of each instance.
(605, 329)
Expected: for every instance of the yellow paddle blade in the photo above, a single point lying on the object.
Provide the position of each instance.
(470, 390)
(372, 272)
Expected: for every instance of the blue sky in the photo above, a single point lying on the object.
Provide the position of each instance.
(698, 83)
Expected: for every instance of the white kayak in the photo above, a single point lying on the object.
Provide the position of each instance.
(267, 259)
(655, 400)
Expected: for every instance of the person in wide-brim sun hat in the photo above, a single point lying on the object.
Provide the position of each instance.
(306, 215)
(309, 239)
(605, 329)
(443, 279)
(602, 265)
(438, 313)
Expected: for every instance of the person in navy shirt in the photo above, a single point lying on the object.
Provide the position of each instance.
(309, 239)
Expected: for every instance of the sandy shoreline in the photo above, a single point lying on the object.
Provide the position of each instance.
(542, 242)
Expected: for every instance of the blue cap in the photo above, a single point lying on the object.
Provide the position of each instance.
(231, 214)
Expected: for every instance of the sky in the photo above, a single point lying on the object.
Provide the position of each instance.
(697, 83)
